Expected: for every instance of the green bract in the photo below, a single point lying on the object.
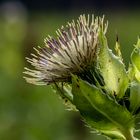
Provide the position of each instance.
(90, 79)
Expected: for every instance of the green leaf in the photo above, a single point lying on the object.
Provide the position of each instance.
(134, 96)
(99, 111)
(135, 59)
(112, 69)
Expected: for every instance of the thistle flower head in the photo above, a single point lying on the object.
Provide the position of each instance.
(73, 52)
(90, 78)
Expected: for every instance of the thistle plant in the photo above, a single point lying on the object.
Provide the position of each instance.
(89, 78)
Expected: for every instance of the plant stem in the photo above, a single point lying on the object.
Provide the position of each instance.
(129, 135)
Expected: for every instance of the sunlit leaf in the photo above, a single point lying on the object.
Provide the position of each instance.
(135, 59)
(112, 69)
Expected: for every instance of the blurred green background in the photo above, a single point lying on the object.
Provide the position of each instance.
(29, 112)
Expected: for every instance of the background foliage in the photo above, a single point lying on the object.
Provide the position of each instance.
(29, 112)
